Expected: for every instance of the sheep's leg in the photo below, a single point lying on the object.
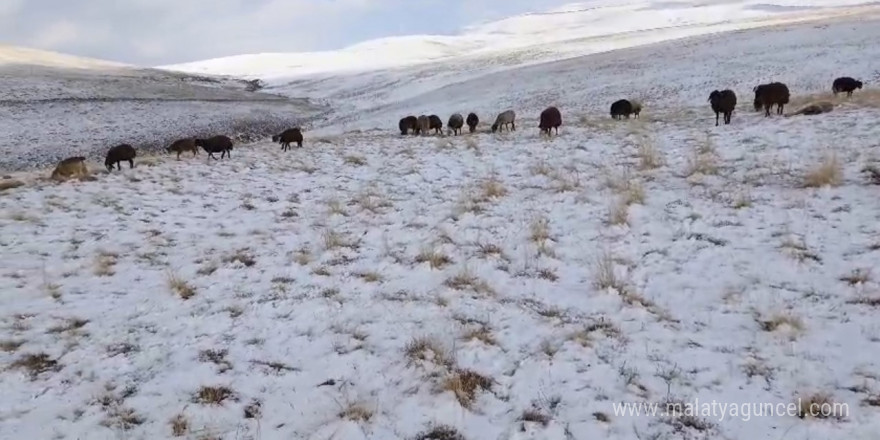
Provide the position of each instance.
(299, 144)
(716, 118)
(130, 163)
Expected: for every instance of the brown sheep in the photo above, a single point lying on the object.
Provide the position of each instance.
(70, 168)
(422, 125)
(435, 123)
(120, 153)
(472, 121)
(216, 144)
(504, 118)
(550, 118)
(287, 136)
(636, 107)
(723, 102)
(408, 123)
(455, 123)
(181, 145)
(845, 84)
(814, 108)
(768, 95)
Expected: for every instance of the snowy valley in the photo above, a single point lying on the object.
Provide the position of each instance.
(483, 286)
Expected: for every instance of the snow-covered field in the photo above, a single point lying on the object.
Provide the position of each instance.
(54, 106)
(509, 286)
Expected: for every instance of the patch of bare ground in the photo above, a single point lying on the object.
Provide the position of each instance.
(426, 349)
(439, 432)
(356, 412)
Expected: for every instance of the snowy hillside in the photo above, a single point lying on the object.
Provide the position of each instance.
(436, 74)
(53, 106)
(485, 286)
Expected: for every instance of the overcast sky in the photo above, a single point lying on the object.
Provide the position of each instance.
(156, 32)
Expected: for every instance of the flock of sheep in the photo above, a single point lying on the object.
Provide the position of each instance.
(723, 102)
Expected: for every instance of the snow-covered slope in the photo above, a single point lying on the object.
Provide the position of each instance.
(378, 286)
(436, 74)
(54, 106)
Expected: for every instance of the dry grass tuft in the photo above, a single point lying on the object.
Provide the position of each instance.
(820, 406)
(465, 384)
(179, 425)
(856, 277)
(426, 349)
(105, 263)
(492, 188)
(481, 333)
(356, 412)
(435, 258)
(36, 364)
(604, 276)
(798, 249)
(208, 395)
(334, 240)
(618, 213)
(440, 432)
(535, 416)
(539, 230)
(649, 156)
(369, 276)
(180, 287)
(467, 280)
(779, 322)
(829, 172)
(9, 345)
(243, 256)
(355, 160)
(216, 357)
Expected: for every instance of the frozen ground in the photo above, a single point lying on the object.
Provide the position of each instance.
(378, 286)
(53, 106)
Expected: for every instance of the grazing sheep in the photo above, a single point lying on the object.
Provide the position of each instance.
(723, 102)
(216, 144)
(550, 118)
(181, 145)
(621, 108)
(472, 121)
(455, 123)
(814, 108)
(636, 107)
(768, 95)
(504, 118)
(435, 123)
(120, 153)
(287, 136)
(409, 123)
(70, 168)
(422, 125)
(845, 84)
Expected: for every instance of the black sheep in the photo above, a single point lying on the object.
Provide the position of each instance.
(455, 123)
(768, 95)
(472, 121)
(120, 153)
(216, 144)
(550, 118)
(288, 136)
(409, 123)
(845, 84)
(723, 102)
(435, 123)
(621, 108)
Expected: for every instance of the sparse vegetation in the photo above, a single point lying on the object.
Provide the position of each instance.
(465, 384)
(180, 287)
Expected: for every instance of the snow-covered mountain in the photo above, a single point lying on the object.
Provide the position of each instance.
(412, 73)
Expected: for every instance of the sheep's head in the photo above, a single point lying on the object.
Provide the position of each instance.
(275, 138)
(494, 127)
(858, 84)
(714, 95)
(108, 164)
